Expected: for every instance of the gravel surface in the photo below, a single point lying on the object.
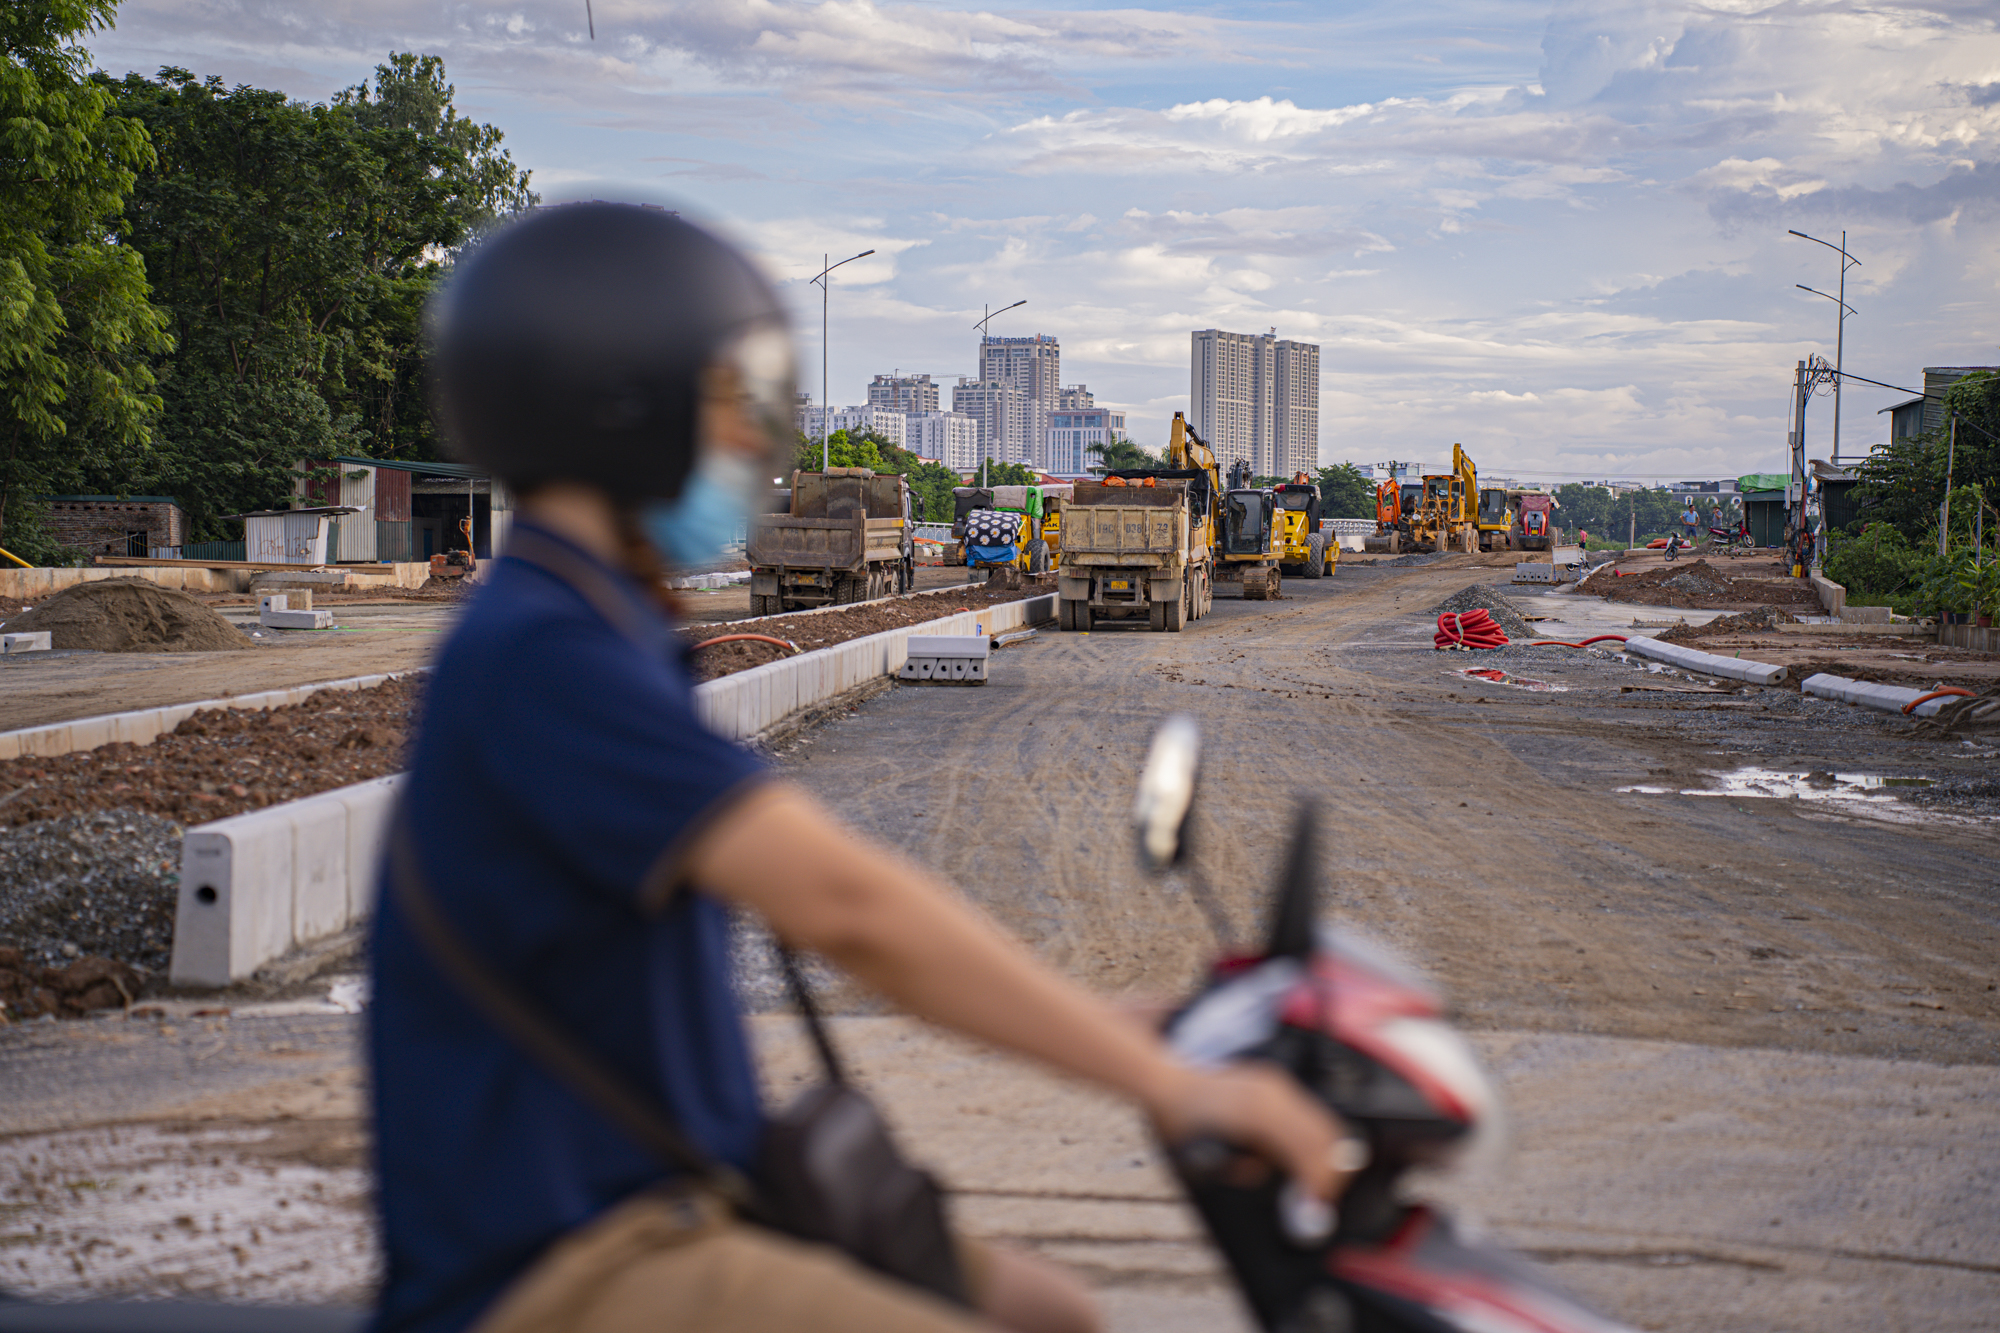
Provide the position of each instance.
(1495, 603)
(100, 883)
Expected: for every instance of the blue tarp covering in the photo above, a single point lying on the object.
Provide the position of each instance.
(995, 555)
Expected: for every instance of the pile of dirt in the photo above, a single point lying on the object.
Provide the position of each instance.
(1763, 619)
(1496, 604)
(28, 991)
(130, 616)
(1701, 586)
(223, 761)
(822, 629)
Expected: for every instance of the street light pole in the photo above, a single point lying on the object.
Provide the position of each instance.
(991, 313)
(825, 404)
(1847, 261)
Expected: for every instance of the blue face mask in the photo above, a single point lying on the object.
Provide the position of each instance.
(697, 525)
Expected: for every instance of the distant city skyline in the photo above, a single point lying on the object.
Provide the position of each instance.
(1553, 230)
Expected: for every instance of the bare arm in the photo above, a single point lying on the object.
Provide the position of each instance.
(904, 935)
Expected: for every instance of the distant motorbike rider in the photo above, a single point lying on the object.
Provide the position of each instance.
(628, 377)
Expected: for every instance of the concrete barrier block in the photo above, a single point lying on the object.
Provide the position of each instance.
(235, 907)
(369, 808)
(1730, 668)
(45, 742)
(295, 619)
(319, 867)
(90, 732)
(27, 641)
(138, 728)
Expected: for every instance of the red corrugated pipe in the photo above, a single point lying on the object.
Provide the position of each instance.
(1468, 629)
(1938, 694)
(729, 638)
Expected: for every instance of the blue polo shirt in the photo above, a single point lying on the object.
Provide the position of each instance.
(559, 771)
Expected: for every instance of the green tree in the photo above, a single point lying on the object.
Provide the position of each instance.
(1903, 481)
(294, 245)
(1345, 493)
(75, 324)
(1014, 474)
(1119, 452)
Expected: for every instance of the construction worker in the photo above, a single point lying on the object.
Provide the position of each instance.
(574, 838)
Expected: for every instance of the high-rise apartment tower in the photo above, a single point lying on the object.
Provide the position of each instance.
(1255, 397)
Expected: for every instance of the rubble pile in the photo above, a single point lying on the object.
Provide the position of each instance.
(91, 884)
(1495, 603)
(1760, 620)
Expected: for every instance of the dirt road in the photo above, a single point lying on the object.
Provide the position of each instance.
(1748, 1042)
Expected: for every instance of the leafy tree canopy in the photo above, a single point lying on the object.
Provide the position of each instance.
(1345, 493)
(294, 245)
(1119, 452)
(930, 483)
(75, 324)
(1903, 481)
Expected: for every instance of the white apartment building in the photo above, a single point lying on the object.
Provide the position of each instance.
(999, 412)
(949, 438)
(1032, 368)
(855, 421)
(1255, 397)
(1071, 433)
(898, 392)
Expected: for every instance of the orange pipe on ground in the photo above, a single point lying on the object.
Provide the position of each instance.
(730, 638)
(1938, 694)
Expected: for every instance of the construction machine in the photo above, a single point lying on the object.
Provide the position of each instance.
(1022, 544)
(1448, 517)
(1495, 519)
(1534, 521)
(845, 536)
(1142, 541)
(1303, 548)
(1246, 520)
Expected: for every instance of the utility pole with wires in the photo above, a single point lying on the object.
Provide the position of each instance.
(1847, 261)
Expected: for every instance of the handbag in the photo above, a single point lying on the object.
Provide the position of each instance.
(828, 1170)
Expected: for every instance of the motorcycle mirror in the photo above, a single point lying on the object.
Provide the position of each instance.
(1294, 915)
(1166, 792)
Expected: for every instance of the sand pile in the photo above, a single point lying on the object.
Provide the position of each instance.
(130, 616)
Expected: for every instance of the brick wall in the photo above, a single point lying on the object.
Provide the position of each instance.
(103, 525)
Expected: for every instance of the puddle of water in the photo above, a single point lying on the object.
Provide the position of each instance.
(1499, 677)
(1816, 785)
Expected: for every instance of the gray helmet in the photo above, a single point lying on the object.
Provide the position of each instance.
(573, 346)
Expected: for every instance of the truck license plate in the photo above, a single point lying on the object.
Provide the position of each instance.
(1123, 585)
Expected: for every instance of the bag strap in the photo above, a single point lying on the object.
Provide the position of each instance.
(517, 1017)
(587, 580)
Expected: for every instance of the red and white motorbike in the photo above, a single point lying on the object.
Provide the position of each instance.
(1370, 1038)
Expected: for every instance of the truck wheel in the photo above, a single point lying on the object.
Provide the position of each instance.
(1065, 613)
(1175, 612)
(1037, 552)
(1156, 615)
(1316, 556)
(760, 605)
(1082, 619)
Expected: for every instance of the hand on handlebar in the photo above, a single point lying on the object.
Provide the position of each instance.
(1260, 1109)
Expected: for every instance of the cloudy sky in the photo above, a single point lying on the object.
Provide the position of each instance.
(1555, 232)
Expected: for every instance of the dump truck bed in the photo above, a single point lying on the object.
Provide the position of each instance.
(823, 543)
(1125, 526)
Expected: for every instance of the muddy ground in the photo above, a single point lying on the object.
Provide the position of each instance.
(1746, 1020)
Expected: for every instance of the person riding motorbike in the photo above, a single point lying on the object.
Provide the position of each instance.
(585, 837)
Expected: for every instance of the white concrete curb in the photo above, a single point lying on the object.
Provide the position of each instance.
(748, 702)
(142, 726)
(711, 580)
(1886, 698)
(1732, 668)
(256, 886)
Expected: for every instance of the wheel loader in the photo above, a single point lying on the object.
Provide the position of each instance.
(1303, 549)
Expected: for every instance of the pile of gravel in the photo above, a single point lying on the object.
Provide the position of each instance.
(1495, 603)
(1413, 560)
(100, 884)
